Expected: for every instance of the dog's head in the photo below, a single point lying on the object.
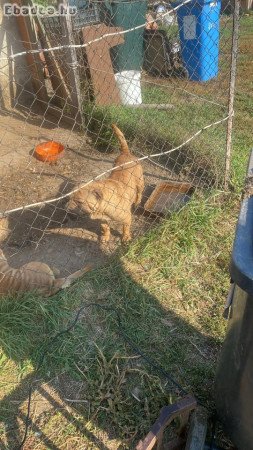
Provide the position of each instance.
(86, 200)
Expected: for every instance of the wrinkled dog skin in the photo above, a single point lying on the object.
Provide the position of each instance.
(34, 276)
(112, 199)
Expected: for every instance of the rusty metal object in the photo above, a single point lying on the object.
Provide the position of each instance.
(168, 413)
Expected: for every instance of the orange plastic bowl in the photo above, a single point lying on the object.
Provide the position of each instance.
(49, 151)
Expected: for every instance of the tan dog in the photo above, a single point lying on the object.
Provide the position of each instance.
(34, 276)
(112, 199)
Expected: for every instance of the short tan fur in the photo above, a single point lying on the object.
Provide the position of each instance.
(112, 199)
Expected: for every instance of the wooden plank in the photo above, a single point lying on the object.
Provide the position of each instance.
(161, 106)
(56, 77)
(99, 60)
(198, 429)
(72, 67)
(246, 5)
(28, 38)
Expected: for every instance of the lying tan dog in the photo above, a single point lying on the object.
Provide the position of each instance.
(34, 276)
(112, 199)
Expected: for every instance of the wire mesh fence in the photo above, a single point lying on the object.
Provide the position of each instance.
(165, 84)
(163, 73)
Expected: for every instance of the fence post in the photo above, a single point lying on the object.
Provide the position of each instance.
(73, 71)
(234, 52)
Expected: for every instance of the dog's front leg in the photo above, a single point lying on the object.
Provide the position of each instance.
(126, 231)
(105, 232)
(139, 192)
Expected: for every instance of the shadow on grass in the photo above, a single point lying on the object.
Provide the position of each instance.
(93, 391)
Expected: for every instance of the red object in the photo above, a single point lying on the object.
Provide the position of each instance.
(49, 151)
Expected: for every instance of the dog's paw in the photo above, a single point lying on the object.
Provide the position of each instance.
(55, 271)
(104, 240)
(126, 238)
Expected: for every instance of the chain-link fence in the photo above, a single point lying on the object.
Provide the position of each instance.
(164, 73)
(164, 82)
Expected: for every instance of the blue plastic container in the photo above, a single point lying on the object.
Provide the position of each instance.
(198, 23)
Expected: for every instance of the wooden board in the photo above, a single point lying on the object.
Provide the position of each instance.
(197, 431)
(100, 65)
(57, 79)
(29, 41)
(72, 65)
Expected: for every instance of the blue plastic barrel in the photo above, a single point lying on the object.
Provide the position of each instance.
(198, 23)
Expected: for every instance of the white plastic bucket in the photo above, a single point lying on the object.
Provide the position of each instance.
(129, 85)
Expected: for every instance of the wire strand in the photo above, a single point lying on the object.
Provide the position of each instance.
(106, 35)
(154, 155)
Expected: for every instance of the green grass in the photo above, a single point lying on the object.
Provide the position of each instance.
(169, 287)
(149, 130)
(152, 129)
(170, 303)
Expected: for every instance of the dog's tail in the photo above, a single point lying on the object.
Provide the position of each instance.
(122, 140)
(62, 283)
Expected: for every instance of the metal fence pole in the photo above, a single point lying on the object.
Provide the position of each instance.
(234, 53)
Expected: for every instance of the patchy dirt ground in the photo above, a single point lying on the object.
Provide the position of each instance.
(47, 233)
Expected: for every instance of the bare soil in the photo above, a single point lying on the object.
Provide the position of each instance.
(48, 233)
